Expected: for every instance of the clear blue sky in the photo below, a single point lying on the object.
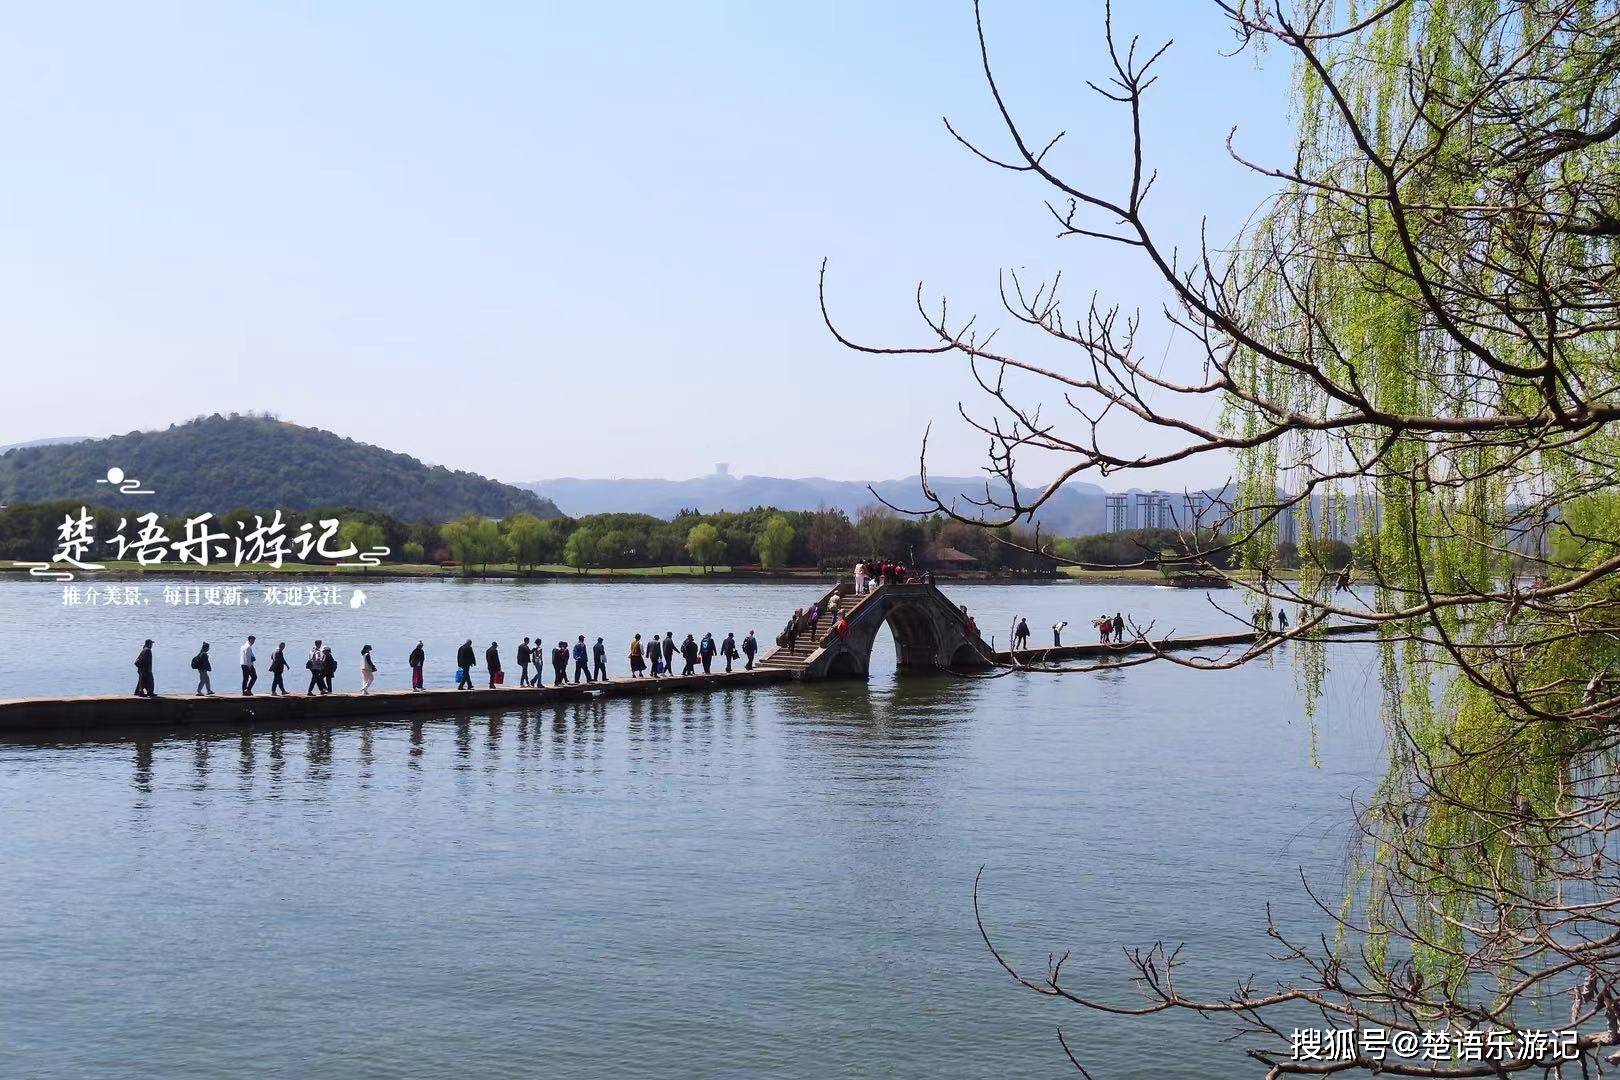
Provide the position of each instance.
(538, 239)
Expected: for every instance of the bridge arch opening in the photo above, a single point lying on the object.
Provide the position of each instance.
(916, 646)
(843, 667)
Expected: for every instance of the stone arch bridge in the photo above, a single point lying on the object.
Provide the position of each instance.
(930, 634)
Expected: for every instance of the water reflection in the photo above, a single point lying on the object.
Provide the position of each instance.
(847, 731)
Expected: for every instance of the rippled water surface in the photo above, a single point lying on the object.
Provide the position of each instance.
(771, 881)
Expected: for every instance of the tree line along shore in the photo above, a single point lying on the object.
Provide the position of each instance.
(760, 543)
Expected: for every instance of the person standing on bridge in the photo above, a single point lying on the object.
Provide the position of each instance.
(636, 661)
(689, 654)
(669, 652)
(749, 648)
(368, 669)
(466, 660)
(728, 649)
(202, 666)
(523, 662)
(559, 663)
(1057, 633)
(655, 656)
(599, 660)
(278, 666)
(706, 651)
(328, 668)
(1282, 620)
(1021, 634)
(860, 578)
(143, 671)
(1119, 628)
(492, 661)
(316, 667)
(417, 659)
(250, 673)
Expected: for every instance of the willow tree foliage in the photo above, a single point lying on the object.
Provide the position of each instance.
(1415, 341)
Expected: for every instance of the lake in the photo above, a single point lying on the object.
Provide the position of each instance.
(773, 881)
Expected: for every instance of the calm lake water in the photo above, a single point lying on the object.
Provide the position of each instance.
(764, 882)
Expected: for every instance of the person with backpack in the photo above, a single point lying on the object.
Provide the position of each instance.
(582, 660)
(368, 669)
(728, 649)
(523, 652)
(492, 661)
(202, 666)
(466, 660)
(559, 664)
(599, 660)
(250, 673)
(143, 671)
(278, 666)
(329, 667)
(317, 668)
(417, 660)
(750, 646)
(706, 651)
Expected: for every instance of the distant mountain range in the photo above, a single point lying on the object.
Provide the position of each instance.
(223, 463)
(1076, 510)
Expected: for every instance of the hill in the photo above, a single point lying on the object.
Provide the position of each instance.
(1076, 510)
(220, 463)
(60, 440)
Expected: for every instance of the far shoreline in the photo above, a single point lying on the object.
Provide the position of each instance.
(551, 574)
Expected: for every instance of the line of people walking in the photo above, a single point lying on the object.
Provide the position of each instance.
(589, 663)
(654, 657)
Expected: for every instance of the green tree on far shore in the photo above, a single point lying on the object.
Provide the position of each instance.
(580, 552)
(703, 544)
(776, 542)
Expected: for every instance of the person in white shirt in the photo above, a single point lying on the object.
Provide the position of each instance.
(250, 674)
(368, 670)
(860, 579)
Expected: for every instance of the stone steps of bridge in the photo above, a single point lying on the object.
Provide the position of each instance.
(807, 643)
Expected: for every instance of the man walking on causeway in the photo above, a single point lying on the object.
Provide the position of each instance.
(143, 671)
(317, 669)
(278, 667)
(250, 673)
(582, 661)
(466, 660)
(492, 662)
